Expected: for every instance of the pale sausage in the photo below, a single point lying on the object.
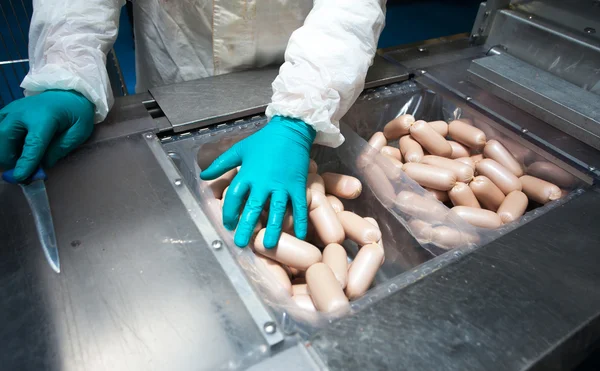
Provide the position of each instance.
(336, 258)
(300, 289)
(312, 166)
(304, 302)
(458, 150)
(324, 218)
(462, 195)
(513, 206)
(411, 150)
(218, 185)
(380, 184)
(501, 176)
(335, 203)
(441, 196)
(419, 206)
(325, 290)
(363, 270)
(390, 166)
(466, 134)
(430, 139)
(551, 173)
(430, 176)
(398, 127)
(478, 217)
(380, 242)
(539, 190)
(289, 251)
(448, 238)
(467, 161)
(440, 126)
(377, 141)
(487, 193)
(314, 182)
(392, 152)
(421, 230)
(343, 186)
(278, 272)
(357, 229)
(497, 152)
(476, 158)
(463, 173)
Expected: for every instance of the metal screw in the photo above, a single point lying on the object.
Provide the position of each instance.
(422, 49)
(487, 14)
(423, 72)
(589, 30)
(270, 327)
(469, 99)
(217, 244)
(530, 17)
(592, 169)
(178, 182)
(149, 136)
(524, 131)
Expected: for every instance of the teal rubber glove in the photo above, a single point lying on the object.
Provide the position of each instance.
(274, 164)
(42, 129)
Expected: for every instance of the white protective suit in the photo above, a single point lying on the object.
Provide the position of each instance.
(326, 59)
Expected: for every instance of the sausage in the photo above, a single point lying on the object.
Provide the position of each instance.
(448, 238)
(390, 166)
(324, 218)
(325, 290)
(287, 225)
(336, 258)
(487, 193)
(462, 195)
(478, 217)
(458, 150)
(519, 151)
(441, 196)
(380, 242)
(551, 173)
(430, 176)
(312, 166)
(398, 127)
(357, 229)
(380, 184)
(421, 230)
(218, 185)
(343, 186)
(476, 158)
(430, 139)
(300, 289)
(463, 173)
(513, 206)
(467, 161)
(304, 302)
(539, 190)
(466, 134)
(392, 152)
(314, 182)
(411, 149)
(363, 270)
(377, 141)
(501, 176)
(289, 251)
(497, 152)
(223, 196)
(278, 272)
(335, 203)
(441, 127)
(419, 206)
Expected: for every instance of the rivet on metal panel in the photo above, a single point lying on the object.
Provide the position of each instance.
(178, 182)
(530, 17)
(469, 99)
(422, 49)
(486, 14)
(149, 135)
(217, 244)
(423, 72)
(524, 131)
(589, 30)
(270, 327)
(592, 169)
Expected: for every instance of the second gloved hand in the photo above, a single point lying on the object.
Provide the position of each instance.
(274, 164)
(42, 129)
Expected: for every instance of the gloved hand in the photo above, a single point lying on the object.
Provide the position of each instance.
(43, 128)
(274, 163)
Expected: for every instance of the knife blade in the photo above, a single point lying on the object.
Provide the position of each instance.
(34, 190)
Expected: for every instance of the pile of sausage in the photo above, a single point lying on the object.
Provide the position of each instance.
(483, 181)
(317, 273)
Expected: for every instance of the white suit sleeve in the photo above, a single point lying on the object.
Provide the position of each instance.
(68, 43)
(326, 62)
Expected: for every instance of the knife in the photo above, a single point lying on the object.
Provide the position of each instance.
(35, 193)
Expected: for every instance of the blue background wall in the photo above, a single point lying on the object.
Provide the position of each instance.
(407, 21)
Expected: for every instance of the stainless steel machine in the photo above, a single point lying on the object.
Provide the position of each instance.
(148, 280)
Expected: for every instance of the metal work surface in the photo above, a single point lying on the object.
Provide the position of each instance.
(552, 99)
(204, 102)
(528, 299)
(139, 287)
